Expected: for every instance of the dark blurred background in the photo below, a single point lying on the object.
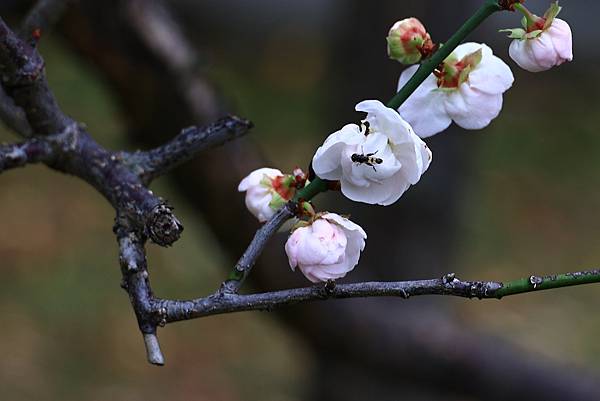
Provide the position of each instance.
(517, 198)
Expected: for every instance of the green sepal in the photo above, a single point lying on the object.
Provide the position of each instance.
(289, 181)
(551, 14)
(308, 208)
(451, 59)
(266, 181)
(299, 224)
(398, 52)
(524, 23)
(277, 201)
(516, 33)
(533, 34)
(470, 61)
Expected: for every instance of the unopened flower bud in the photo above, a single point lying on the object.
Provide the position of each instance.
(267, 190)
(543, 42)
(408, 41)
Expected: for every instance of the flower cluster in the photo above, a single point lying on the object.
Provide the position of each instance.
(378, 159)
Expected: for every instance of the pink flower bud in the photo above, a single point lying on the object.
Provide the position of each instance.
(552, 47)
(544, 42)
(327, 249)
(408, 41)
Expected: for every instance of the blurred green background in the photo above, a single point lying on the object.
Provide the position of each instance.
(530, 206)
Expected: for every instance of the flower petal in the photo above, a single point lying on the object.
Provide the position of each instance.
(491, 76)
(424, 110)
(385, 120)
(521, 53)
(375, 193)
(326, 161)
(472, 109)
(467, 48)
(562, 38)
(255, 177)
(347, 224)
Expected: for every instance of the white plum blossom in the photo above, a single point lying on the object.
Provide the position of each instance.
(265, 192)
(375, 164)
(327, 249)
(543, 43)
(468, 90)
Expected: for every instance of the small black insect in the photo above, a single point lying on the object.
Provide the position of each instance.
(367, 159)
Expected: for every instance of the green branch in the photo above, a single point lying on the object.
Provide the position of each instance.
(488, 8)
(539, 283)
(427, 67)
(315, 187)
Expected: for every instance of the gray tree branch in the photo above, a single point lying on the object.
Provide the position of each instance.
(186, 145)
(228, 302)
(18, 155)
(244, 265)
(119, 176)
(13, 116)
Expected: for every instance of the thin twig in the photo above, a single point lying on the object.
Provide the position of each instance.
(242, 268)
(448, 285)
(132, 256)
(186, 145)
(18, 155)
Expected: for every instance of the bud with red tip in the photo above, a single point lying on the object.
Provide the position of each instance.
(409, 42)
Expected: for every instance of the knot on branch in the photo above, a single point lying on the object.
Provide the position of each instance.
(236, 125)
(20, 63)
(162, 226)
(469, 289)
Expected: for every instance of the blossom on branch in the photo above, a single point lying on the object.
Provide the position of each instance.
(467, 90)
(544, 42)
(327, 248)
(377, 162)
(267, 190)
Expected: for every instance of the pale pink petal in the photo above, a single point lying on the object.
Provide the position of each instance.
(472, 109)
(491, 76)
(543, 51)
(345, 223)
(562, 39)
(424, 109)
(522, 54)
